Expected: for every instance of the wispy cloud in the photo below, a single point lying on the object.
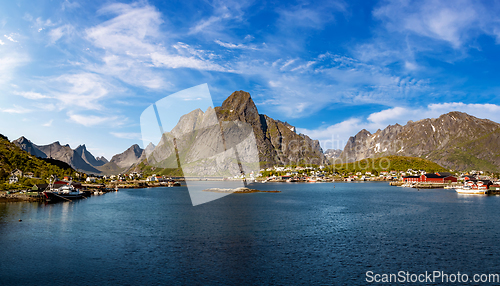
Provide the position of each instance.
(31, 94)
(48, 124)
(309, 16)
(234, 46)
(223, 12)
(133, 46)
(85, 90)
(94, 120)
(9, 63)
(16, 110)
(10, 38)
(127, 135)
(59, 32)
(69, 5)
(453, 22)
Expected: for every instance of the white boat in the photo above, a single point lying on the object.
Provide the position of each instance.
(67, 192)
(467, 190)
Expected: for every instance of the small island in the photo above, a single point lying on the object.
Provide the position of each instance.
(238, 191)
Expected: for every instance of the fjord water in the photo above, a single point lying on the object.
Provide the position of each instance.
(323, 233)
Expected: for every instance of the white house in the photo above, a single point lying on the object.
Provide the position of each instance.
(13, 179)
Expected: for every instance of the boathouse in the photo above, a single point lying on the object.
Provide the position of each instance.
(431, 178)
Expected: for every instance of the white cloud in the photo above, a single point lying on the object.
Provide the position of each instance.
(234, 46)
(9, 63)
(127, 135)
(224, 13)
(48, 124)
(59, 32)
(327, 79)
(336, 136)
(2, 43)
(16, 110)
(85, 90)
(287, 63)
(133, 45)
(454, 22)
(93, 120)
(30, 94)
(69, 5)
(10, 38)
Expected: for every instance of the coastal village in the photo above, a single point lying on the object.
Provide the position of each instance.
(486, 183)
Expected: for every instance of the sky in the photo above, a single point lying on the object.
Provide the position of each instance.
(82, 72)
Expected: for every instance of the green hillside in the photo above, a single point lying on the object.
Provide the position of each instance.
(389, 163)
(12, 157)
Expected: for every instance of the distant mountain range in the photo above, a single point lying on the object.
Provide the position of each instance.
(80, 158)
(13, 158)
(455, 140)
(333, 153)
(277, 141)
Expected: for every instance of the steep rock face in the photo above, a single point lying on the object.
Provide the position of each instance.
(127, 158)
(59, 152)
(88, 157)
(333, 153)
(277, 141)
(66, 154)
(455, 140)
(198, 137)
(29, 147)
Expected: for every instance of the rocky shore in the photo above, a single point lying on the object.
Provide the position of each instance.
(19, 197)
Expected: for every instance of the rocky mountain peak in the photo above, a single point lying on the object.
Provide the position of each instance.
(240, 106)
(454, 140)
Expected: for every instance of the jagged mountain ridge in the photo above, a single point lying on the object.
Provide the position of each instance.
(455, 140)
(12, 157)
(60, 152)
(80, 158)
(277, 143)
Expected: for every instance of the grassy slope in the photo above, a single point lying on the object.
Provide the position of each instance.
(390, 163)
(12, 157)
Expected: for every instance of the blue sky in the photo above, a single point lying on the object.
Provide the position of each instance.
(82, 72)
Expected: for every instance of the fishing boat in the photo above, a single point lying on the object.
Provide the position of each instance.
(470, 188)
(65, 193)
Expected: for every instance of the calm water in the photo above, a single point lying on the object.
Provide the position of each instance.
(308, 234)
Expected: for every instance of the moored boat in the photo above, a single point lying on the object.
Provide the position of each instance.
(67, 192)
(472, 189)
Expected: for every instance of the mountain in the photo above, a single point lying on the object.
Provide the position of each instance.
(455, 140)
(333, 153)
(29, 147)
(123, 161)
(102, 160)
(127, 158)
(88, 157)
(198, 138)
(277, 142)
(12, 157)
(79, 159)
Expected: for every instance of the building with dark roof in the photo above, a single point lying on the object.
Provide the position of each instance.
(430, 178)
